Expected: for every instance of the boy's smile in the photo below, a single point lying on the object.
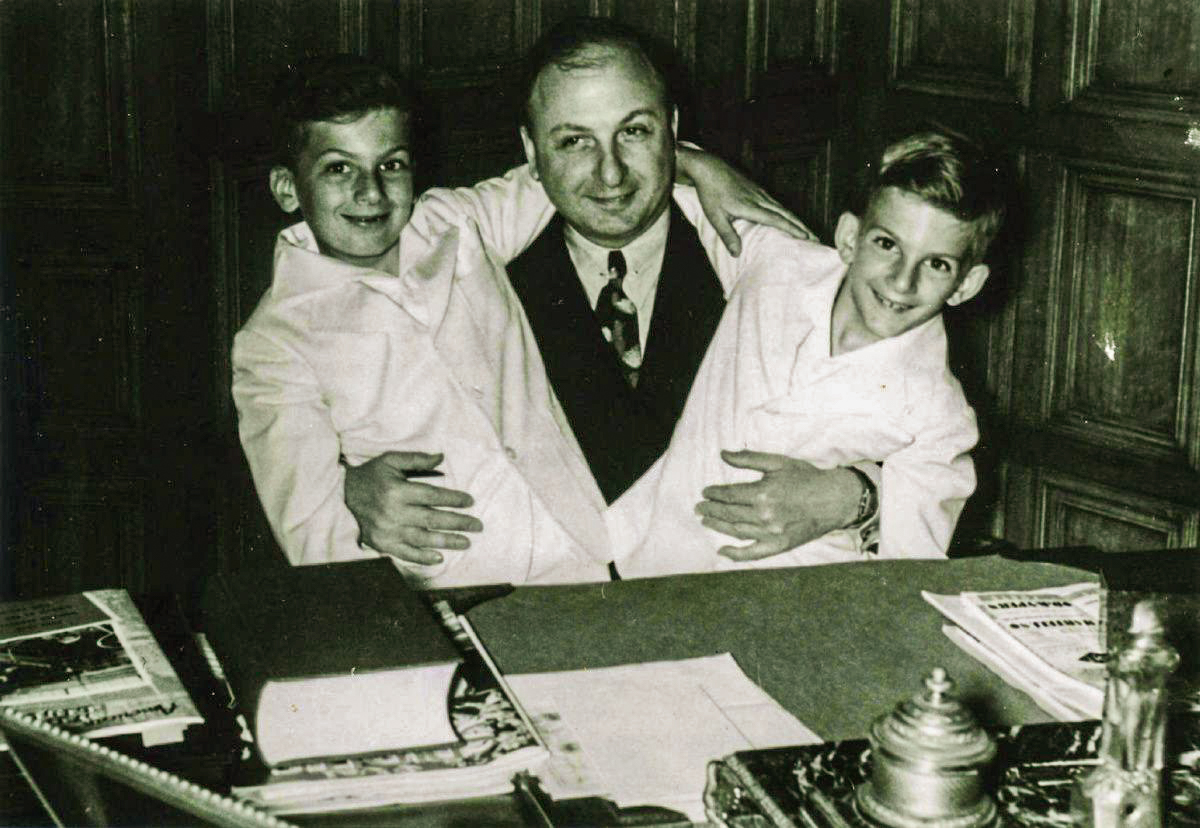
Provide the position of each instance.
(906, 261)
(352, 184)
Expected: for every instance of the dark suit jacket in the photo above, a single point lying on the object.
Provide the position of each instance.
(621, 430)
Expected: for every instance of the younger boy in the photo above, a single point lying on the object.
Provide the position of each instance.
(838, 358)
(380, 334)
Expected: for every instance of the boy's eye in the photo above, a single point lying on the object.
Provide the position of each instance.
(636, 131)
(337, 167)
(571, 141)
(884, 243)
(395, 165)
(942, 266)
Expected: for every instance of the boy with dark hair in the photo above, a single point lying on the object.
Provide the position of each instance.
(389, 330)
(840, 358)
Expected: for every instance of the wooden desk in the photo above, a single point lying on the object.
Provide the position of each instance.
(835, 645)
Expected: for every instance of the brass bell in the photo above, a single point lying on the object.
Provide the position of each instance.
(926, 759)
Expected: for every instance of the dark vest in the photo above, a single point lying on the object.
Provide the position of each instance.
(621, 430)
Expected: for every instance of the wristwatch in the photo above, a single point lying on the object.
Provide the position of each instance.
(868, 501)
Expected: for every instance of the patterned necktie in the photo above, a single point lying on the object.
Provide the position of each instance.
(618, 319)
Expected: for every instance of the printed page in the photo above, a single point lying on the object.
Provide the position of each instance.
(1050, 636)
(646, 732)
(122, 683)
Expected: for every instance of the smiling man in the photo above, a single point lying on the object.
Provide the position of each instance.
(623, 296)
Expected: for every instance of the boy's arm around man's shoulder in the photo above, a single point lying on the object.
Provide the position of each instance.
(510, 211)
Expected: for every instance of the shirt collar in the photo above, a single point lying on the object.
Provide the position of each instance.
(643, 255)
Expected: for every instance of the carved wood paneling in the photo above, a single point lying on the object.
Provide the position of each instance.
(977, 50)
(463, 36)
(1073, 512)
(249, 43)
(1125, 320)
(1136, 59)
(792, 34)
(800, 178)
(82, 369)
(81, 535)
(66, 80)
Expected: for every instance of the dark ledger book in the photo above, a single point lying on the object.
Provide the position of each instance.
(331, 660)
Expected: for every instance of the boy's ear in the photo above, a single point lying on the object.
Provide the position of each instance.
(530, 152)
(845, 237)
(283, 187)
(970, 285)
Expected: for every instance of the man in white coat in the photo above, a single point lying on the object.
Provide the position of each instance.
(599, 134)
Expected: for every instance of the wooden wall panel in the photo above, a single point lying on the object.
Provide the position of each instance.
(1136, 59)
(1076, 513)
(91, 531)
(460, 36)
(85, 375)
(1126, 321)
(972, 50)
(249, 42)
(796, 33)
(85, 145)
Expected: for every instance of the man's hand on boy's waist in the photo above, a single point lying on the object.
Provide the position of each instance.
(399, 516)
(792, 503)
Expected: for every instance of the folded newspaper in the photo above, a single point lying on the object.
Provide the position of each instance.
(1045, 642)
(87, 663)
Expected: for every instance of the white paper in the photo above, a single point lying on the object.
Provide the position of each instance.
(646, 732)
(1045, 642)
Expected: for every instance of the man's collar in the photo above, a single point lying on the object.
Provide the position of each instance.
(641, 254)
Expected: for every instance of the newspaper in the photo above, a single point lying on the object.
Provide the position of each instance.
(1046, 642)
(89, 664)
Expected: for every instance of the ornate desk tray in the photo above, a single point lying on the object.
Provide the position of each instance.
(813, 786)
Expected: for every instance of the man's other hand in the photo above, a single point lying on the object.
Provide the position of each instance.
(792, 503)
(405, 518)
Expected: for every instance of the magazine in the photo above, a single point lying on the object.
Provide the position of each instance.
(87, 663)
(496, 739)
(1046, 642)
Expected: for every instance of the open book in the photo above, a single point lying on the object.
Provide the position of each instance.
(1045, 642)
(88, 664)
(495, 740)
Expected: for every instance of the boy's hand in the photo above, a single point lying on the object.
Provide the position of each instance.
(793, 503)
(401, 517)
(726, 194)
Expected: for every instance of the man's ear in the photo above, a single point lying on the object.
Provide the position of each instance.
(971, 284)
(845, 237)
(530, 153)
(283, 187)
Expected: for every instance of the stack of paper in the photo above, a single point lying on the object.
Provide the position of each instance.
(1045, 642)
(643, 734)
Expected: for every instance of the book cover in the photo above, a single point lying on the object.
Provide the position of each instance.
(495, 740)
(88, 664)
(331, 660)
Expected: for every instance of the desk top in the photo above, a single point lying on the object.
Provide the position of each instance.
(836, 645)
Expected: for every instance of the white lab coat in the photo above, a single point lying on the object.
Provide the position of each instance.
(346, 360)
(768, 383)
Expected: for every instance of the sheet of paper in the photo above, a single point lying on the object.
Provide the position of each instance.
(646, 732)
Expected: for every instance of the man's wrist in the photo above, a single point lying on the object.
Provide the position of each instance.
(868, 499)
